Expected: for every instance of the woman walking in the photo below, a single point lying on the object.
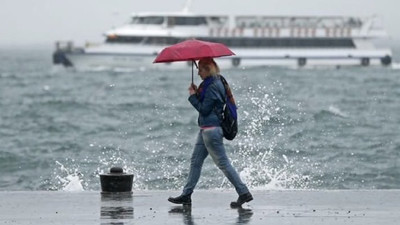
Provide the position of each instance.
(209, 100)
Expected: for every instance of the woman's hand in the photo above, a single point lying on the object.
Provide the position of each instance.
(192, 89)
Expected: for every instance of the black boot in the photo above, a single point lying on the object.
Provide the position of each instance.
(242, 199)
(182, 199)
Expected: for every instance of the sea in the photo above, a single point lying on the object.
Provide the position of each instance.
(323, 128)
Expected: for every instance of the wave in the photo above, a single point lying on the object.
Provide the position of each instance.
(332, 111)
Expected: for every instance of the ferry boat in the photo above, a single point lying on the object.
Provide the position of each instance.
(257, 40)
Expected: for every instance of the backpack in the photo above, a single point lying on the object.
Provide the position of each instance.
(229, 122)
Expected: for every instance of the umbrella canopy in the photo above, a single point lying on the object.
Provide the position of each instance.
(191, 50)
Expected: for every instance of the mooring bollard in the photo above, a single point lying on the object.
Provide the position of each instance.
(116, 181)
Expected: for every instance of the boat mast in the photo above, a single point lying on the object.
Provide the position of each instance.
(187, 6)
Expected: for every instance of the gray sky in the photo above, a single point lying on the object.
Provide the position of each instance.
(25, 22)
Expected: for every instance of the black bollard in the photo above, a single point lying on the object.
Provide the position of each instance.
(116, 181)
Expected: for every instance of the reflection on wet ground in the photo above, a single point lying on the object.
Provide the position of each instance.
(116, 208)
(244, 214)
(186, 211)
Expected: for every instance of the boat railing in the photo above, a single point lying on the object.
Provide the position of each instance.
(64, 46)
(295, 22)
(67, 46)
(301, 27)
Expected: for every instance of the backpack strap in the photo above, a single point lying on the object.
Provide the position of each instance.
(220, 117)
(230, 100)
(228, 91)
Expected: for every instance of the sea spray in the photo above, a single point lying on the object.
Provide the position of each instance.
(167, 171)
(72, 181)
(164, 164)
(262, 167)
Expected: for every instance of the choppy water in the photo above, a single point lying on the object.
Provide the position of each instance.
(312, 129)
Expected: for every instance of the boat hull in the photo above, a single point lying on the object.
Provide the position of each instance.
(86, 60)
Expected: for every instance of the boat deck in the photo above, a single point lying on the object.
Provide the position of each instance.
(209, 207)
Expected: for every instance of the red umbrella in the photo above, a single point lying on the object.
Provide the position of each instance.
(191, 50)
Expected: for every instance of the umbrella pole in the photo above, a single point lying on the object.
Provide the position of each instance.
(192, 71)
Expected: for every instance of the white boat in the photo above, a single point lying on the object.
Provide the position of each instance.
(257, 40)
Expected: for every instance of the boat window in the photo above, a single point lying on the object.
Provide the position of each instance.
(186, 21)
(219, 20)
(243, 42)
(144, 40)
(162, 40)
(124, 39)
(148, 20)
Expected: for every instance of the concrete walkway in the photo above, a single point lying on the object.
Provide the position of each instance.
(377, 207)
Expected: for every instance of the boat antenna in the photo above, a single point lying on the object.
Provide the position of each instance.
(187, 6)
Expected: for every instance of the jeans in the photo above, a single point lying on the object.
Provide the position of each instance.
(209, 141)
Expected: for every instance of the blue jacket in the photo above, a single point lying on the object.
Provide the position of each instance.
(211, 107)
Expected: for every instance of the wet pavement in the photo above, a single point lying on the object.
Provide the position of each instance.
(208, 207)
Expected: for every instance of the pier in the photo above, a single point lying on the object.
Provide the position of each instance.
(208, 207)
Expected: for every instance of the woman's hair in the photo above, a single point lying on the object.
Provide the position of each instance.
(210, 65)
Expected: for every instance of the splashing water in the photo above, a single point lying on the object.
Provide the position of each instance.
(261, 176)
(72, 182)
(262, 168)
(256, 155)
